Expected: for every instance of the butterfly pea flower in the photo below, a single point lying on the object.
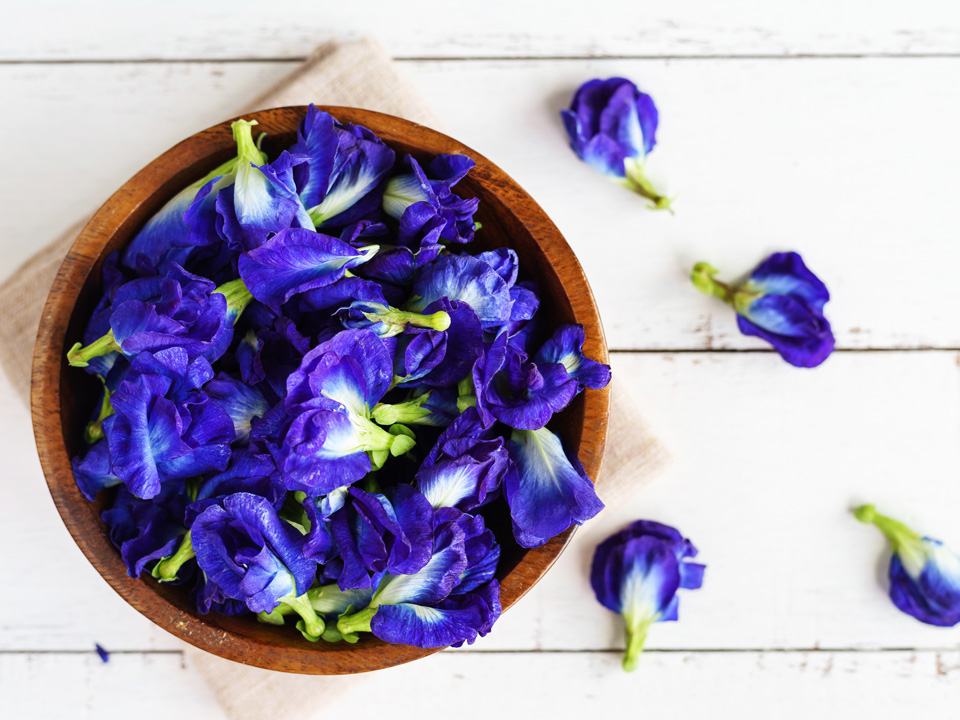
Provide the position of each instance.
(612, 127)
(375, 532)
(435, 407)
(330, 440)
(163, 428)
(466, 466)
(548, 491)
(924, 573)
(418, 351)
(295, 261)
(467, 280)
(425, 206)
(451, 600)
(636, 573)
(262, 199)
(180, 310)
(388, 321)
(188, 218)
(146, 530)
(345, 166)
(240, 401)
(94, 471)
(565, 347)
(782, 303)
(517, 392)
(398, 265)
(253, 555)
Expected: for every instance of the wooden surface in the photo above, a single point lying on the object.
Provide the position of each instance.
(848, 156)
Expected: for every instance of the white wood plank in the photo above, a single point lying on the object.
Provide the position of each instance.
(177, 29)
(768, 462)
(850, 162)
(880, 685)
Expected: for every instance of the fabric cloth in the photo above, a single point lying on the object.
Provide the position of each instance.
(358, 74)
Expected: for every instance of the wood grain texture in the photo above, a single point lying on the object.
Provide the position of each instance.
(63, 397)
(807, 155)
(180, 29)
(796, 686)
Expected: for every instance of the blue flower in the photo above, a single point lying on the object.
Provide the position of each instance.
(262, 199)
(465, 467)
(93, 472)
(427, 209)
(163, 428)
(240, 401)
(566, 348)
(345, 165)
(548, 492)
(924, 574)
(388, 321)
(782, 303)
(516, 392)
(390, 532)
(451, 600)
(146, 530)
(295, 261)
(180, 310)
(612, 127)
(253, 555)
(329, 401)
(467, 280)
(637, 572)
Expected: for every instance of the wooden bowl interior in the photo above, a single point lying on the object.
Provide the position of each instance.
(64, 397)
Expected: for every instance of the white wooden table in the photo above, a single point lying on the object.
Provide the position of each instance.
(828, 127)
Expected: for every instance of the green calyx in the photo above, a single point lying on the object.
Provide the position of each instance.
(238, 297)
(409, 412)
(94, 430)
(80, 355)
(357, 622)
(907, 544)
(247, 150)
(636, 636)
(739, 298)
(398, 320)
(312, 624)
(637, 181)
(167, 568)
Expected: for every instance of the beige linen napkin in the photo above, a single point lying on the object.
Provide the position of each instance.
(358, 74)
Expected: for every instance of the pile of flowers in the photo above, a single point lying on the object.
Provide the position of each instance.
(312, 395)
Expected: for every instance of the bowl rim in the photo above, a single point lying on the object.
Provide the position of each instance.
(49, 362)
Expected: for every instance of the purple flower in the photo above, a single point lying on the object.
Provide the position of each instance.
(240, 401)
(451, 600)
(924, 574)
(566, 348)
(297, 260)
(146, 530)
(345, 165)
(93, 472)
(637, 572)
(782, 303)
(516, 392)
(180, 310)
(467, 280)
(388, 321)
(466, 466)
(163, 427)
(427, 209)
(390, 532)
(548, 492)
(329, 401)
(612, 127)
(253, 555)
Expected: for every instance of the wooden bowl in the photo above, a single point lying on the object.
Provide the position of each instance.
(63, 397)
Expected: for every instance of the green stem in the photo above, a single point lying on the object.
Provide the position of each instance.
(247, 150)
(80, 355)
(358, 622)
(238, 297)
(313, 625)
(166, 570)
(94, 430)
(637, 181)
(636, 636)
(896, 532)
